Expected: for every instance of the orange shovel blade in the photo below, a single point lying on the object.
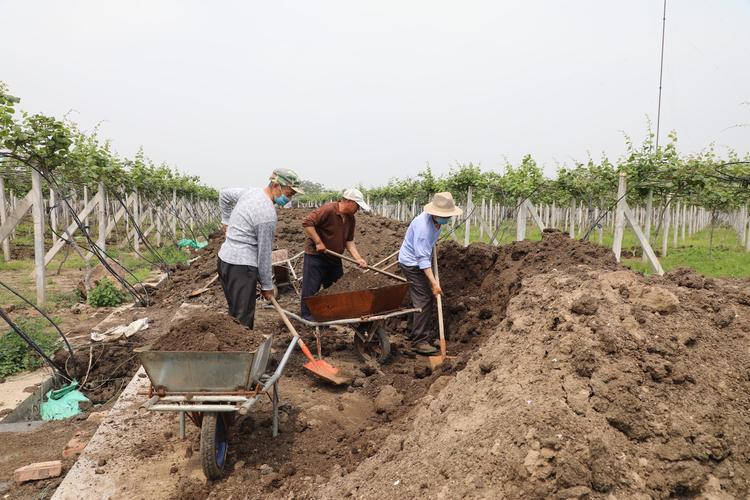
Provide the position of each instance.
(438, 360)
(326, 371)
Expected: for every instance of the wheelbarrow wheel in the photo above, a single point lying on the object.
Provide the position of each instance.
(214, 445)
(377, 349)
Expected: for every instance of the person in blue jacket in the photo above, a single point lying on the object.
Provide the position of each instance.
(415, 261)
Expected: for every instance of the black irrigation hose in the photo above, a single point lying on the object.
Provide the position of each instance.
(62, 335)
(33, 344)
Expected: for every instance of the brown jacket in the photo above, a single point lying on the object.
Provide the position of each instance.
(334, 228)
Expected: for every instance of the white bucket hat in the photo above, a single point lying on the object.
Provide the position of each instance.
(356, 195)
(442, 205)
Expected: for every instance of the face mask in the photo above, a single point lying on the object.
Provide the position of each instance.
(442, 220)
(281, 200)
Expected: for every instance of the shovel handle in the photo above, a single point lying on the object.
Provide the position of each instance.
(441, 326)
(290, 327)
(349, 259)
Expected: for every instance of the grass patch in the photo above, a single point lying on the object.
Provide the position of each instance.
(170, 255)
(16, 355)
(727, 259)
(17, 265)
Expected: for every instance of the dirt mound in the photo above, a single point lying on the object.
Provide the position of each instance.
(478, 281)
(596, 383)
(213, 331)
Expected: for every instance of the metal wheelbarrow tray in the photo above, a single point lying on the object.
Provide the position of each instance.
(210, 388)
(364, 310)
(356, 304)
(181, 372)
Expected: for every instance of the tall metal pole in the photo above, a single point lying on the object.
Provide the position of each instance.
(661, 72)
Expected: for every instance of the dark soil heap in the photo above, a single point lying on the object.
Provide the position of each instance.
(214, 331)
(355, 279)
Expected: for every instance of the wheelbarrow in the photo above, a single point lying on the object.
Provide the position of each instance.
(286, 269)
(211, 388)
(366, 311)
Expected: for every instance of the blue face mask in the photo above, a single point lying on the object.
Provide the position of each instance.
(442, 220)
(281, 200)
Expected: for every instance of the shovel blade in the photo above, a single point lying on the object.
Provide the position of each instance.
(197, 292)
(436, 361)
(326, 371)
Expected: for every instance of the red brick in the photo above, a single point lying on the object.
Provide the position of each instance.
(39, 470)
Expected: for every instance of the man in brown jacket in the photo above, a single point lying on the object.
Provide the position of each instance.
(329, 227)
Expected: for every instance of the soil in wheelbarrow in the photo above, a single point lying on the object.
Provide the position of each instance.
(214, 331)
(357, 280)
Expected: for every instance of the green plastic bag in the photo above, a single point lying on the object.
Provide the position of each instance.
(192, 244)
(62, 403)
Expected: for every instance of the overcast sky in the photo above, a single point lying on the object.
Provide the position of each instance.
(349, 92)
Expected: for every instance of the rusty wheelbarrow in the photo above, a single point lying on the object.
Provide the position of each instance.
(364, 310)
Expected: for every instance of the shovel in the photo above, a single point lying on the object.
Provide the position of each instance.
(319, 367)
(203, 290)
(349, 259)
(438, 360)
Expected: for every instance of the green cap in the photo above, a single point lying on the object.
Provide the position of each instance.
(287, 177)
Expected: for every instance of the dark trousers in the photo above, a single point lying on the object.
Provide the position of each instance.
(420, 289)
(239, 285)
(318, 270)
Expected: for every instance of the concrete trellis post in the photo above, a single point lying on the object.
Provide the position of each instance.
(37, 210)
(174, 213)
(624, 214)
(521, 221)
(675, 233)
(667, 221)
(571, 219)
(102, 218)
(3, 217)
(467, 218)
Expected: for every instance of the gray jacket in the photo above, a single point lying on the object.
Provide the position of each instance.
(251, 222)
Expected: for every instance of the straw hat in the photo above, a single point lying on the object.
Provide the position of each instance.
(442, 205)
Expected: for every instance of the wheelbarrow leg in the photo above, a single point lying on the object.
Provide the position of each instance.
(182, 425)
(275, 401)
(317, 341)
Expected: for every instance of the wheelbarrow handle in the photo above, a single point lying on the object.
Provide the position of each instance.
(349, 259)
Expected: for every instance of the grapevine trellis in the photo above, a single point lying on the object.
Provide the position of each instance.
(663, 197)
(79, 193)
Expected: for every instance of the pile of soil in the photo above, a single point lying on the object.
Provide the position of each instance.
(357, 280)
(213, 331)
(478, 281)
(598, 382)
